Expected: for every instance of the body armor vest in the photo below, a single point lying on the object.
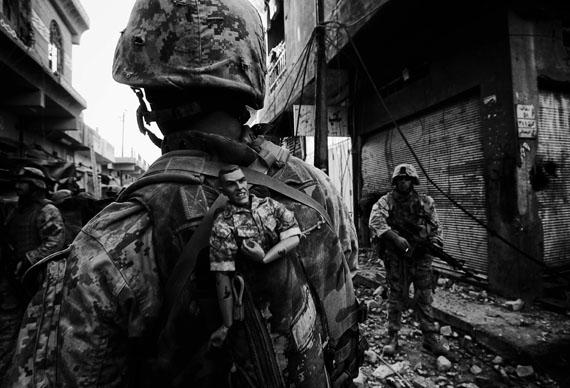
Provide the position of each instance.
(304, 297)
(22, 227)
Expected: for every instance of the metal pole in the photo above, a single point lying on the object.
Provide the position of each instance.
(123, 136)
(321, 116)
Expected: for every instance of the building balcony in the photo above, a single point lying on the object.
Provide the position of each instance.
(277, 66)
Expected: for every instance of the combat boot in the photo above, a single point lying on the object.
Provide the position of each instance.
(432, 345)
(391, 344)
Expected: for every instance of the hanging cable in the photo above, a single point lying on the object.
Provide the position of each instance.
(302, 58)
(420, 165)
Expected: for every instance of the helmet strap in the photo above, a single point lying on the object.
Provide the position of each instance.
(142, 112)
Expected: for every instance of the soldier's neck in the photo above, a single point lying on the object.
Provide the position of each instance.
(402, 194)
(218, 123)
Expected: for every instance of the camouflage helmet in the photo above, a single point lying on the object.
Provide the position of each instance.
(406, 169)
(189, 44)
(32, 175)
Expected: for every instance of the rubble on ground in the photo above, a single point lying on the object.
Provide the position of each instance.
(412, 366)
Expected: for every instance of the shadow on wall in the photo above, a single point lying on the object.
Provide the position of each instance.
(541, 174)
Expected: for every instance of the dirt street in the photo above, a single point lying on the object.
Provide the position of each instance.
(414, 367)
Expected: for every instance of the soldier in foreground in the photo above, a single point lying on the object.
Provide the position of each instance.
(133, 301)
(399, 221)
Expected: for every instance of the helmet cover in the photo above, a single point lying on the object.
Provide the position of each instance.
(189, 44)
(32, 175)
(406, 169)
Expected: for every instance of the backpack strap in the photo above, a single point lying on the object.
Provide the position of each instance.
(176, 167)
(199, 240)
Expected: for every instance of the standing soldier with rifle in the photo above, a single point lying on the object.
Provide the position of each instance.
(398, 222)
(133, 301)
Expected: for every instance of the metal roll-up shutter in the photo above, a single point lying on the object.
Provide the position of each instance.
(553, 166)
(448, 142)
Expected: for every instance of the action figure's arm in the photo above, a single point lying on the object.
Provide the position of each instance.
(289, 233)
(281, 249)
(225, 297)
(254, 251)
(226, 304)
(223, 249)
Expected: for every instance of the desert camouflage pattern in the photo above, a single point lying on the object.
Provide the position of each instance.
(417, 209)
(36, 230)
(265, 223)
(103, 327)
(106, 288)
(414, 209)
(406, 169)
(279, 292)
(338, 212)
(194, 44)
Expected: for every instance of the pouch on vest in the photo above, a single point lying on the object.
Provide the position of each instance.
(37, 340)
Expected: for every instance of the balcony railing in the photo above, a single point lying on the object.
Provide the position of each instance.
(277, 65)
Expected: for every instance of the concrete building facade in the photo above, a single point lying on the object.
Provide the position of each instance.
(476, 95)
(41, 118)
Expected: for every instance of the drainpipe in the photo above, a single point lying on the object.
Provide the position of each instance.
(321, 119)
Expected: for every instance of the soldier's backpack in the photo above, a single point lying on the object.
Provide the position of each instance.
(337, 310)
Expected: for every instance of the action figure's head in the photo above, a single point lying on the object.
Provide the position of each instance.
(30, 180)
(405, 177)
(191, 58)
(234, 185)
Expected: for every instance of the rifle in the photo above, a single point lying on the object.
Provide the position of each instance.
(413, 233)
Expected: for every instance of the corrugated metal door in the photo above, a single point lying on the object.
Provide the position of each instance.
(553, 165)
(449, 145)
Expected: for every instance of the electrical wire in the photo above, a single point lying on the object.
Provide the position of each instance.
(492, 232)
(304, 56)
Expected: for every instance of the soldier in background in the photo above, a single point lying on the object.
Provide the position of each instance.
(32, 231)
(397, 221)
(137, 300)
(35, 228)
(70, 209)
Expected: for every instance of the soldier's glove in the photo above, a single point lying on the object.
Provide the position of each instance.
(253, 251)
(437, 242)
(399, 242)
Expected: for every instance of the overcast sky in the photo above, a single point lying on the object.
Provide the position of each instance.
(106, 99)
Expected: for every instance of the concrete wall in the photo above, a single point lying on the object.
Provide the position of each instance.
(42, 15)
(503, 59)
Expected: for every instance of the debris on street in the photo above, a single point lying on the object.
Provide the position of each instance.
(478, 366)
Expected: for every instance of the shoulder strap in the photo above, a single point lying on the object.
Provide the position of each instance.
(173, 170)
(176, 167)
(187, 260)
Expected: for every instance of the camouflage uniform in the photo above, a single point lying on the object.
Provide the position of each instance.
(101, 319)
(266, 223)
(34, 230)
(111, 290)
(279, 291)
(414, 209)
